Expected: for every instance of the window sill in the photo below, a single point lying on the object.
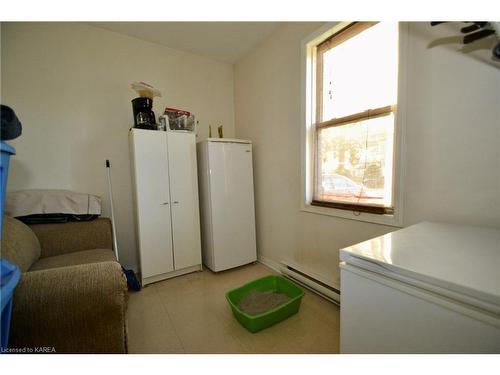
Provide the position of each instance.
(390, 220)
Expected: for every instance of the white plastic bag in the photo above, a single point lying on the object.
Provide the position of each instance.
(145, 90)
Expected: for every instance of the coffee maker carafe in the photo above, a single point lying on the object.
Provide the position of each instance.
(144, 117)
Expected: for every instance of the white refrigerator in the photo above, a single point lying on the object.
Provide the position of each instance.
(227, 213)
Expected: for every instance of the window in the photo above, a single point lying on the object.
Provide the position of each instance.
(355, 93)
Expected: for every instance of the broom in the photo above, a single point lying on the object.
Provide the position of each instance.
(132, 281)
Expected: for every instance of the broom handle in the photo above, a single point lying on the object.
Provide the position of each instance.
(115, 242)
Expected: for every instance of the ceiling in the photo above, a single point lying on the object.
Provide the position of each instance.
(230, 41)
(223, 41)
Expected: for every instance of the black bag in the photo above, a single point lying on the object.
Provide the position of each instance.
(11, 126)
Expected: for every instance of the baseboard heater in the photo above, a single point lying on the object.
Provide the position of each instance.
(319, 287)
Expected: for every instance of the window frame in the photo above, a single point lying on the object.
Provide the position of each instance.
(339, 32)
(347, 32)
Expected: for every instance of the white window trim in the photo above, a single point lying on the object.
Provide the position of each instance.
(307, 134)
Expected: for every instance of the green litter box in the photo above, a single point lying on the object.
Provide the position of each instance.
(273, 283)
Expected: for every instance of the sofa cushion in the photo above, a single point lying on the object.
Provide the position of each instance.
(57, 239)
(19, 244)
(74, 259)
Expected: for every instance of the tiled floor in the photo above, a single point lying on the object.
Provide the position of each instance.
(189, 314)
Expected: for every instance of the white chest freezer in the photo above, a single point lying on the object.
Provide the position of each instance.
(428, 288)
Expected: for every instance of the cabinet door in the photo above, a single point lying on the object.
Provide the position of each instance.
(184, 199)
(152, 195)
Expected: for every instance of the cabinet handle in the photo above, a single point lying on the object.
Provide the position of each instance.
(164, 203)
(176, 202)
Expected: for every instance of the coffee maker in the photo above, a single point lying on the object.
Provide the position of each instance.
(144, 117)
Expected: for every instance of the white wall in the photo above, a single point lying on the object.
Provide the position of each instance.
(453, 134)
(452, 146)
(1, 101)
(70, 86)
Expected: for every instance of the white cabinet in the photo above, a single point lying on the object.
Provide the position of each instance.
(166, 202)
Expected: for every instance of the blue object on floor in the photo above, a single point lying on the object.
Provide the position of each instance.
(9, 276)
(6, 152)
(132, 280)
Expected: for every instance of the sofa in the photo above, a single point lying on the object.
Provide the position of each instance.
(72, 296)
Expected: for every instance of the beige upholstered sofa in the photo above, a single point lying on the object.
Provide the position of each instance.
(72, 295)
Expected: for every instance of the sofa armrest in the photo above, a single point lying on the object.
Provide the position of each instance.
(56, 239)
(76, 309)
